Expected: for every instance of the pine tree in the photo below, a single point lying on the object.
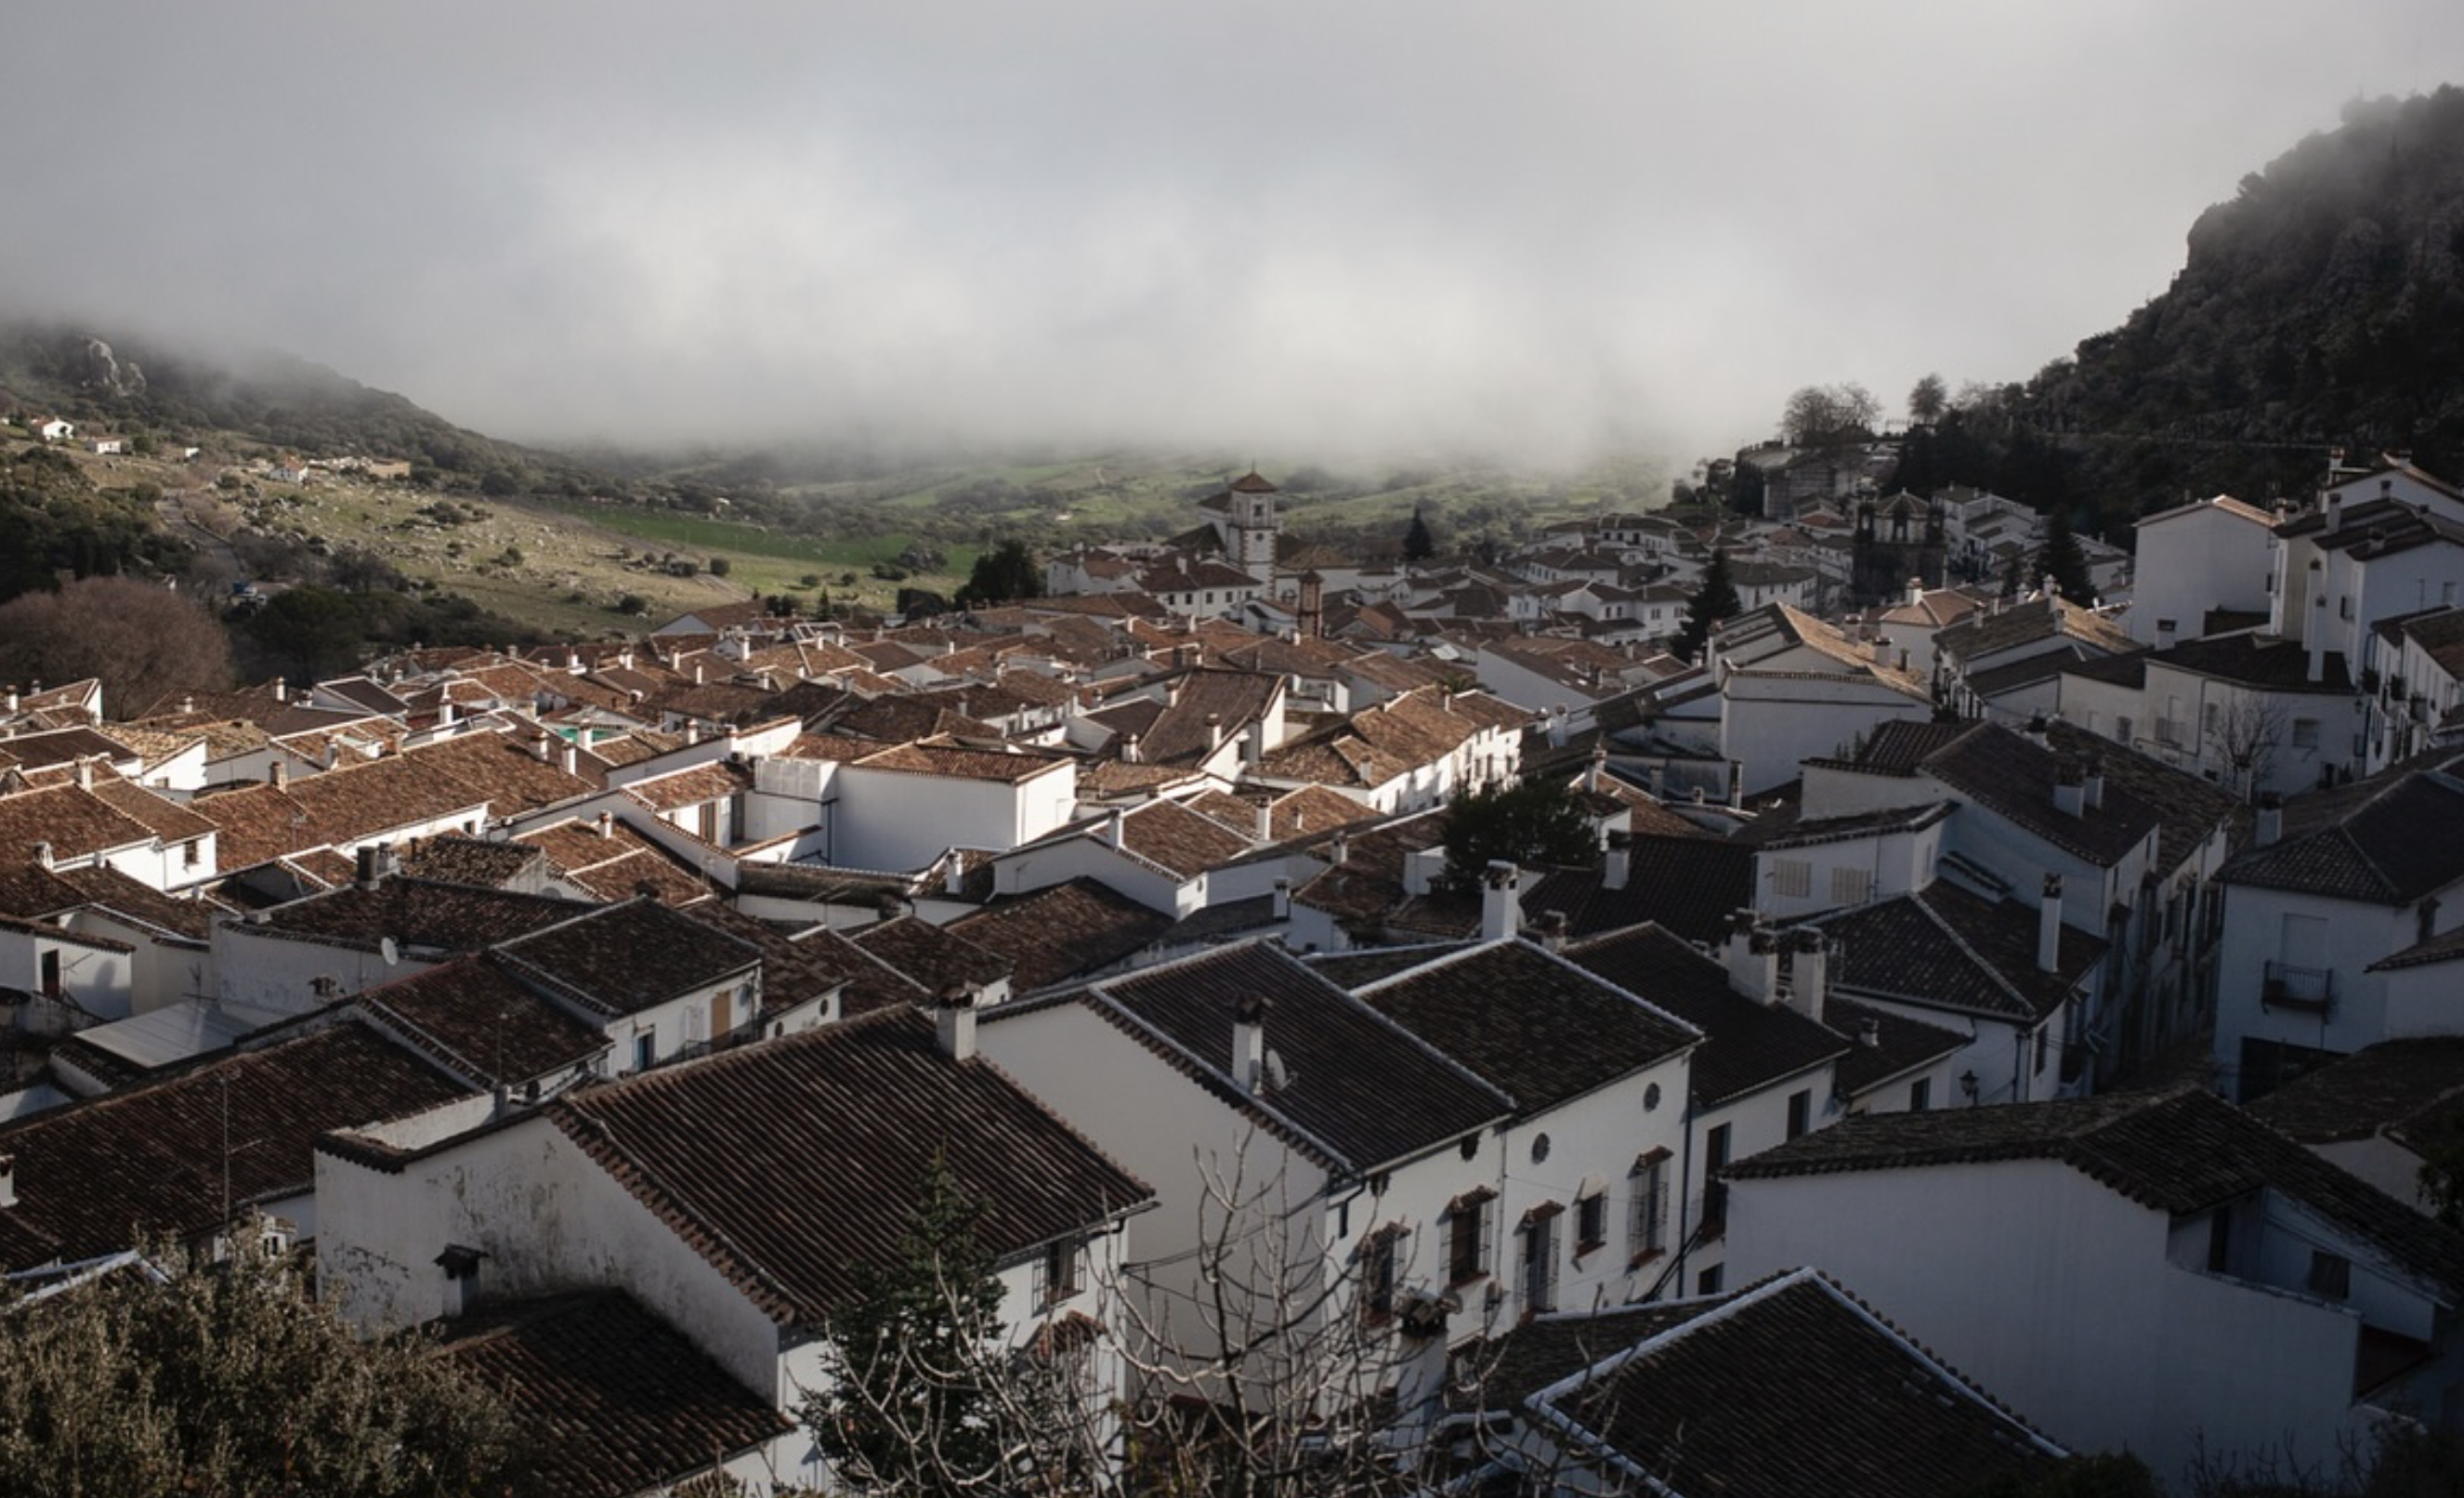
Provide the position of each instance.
(908, 1409)
(1534, 825)
(1714, 600)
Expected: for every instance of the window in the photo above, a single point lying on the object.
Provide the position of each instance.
(2121, 728)
(1057, 1277)
(50, 973)
(190, 857)
(1801, 1113)
(646, 1050)
(2220, 1241)
(2044, 1041)
(1538, 1275)
(1646, 1227)
(1468, 1236)
(1715, 1191)
(2305, 732)
(1792, 878)
(1920, 1094)
(1380, 1269)
(1710, 1281)
(2331, 1274)
(1591, 1221)
(1851, 886)
(2211, 718)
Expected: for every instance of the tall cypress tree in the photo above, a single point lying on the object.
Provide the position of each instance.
(1419, 545)
(2063, 561)
(1714, 600)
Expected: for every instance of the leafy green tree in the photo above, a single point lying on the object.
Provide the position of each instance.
(1538, 823)
(229, 1379)
(1419, 545)
(2061, 560)
(1714, 600)
(907, 1409)
(1003, 575)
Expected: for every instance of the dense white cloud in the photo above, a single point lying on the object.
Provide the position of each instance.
(1282, 227)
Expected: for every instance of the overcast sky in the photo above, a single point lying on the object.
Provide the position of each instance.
(1291, 229)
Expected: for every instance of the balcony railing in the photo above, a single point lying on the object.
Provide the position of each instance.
(2310, 990)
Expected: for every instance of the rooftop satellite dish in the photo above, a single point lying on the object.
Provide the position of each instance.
(386, 950)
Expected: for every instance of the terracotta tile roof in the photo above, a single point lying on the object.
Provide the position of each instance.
(2031, 622)
(607, 1401)
(2254, 660)
(1791, 1386)
(1944, 948)
(1690, 884)
(76, 823)
(166, 819)
(1507, 1010)
(615, 865)
(455, 859)
(472, 1020)
(2015, 778)
(1356, 1086)
(2389, 840)
(1178, 839)
(95, 1176)
(419, 915)
(973, 765)
(1747, 1045)
(2189, 809)
(2409, 1088)
(1062, 932)
(107, 889)
(620, 960)
(678, 789)
(787, 1165)
(936, 958)
(1886, 1045)
(30, 891)
(798, 969)
(2178, 1151)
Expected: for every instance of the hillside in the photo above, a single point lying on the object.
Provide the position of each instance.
(2321, 307)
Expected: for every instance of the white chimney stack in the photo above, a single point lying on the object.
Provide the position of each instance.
(2049, 926)
(1809, 971)
(2271, 820)
(1754, 956)
(1501, 901)
(954, 1016)
(1249, 1042)
(2069, 789)
(1617, 864)
(1283, 906)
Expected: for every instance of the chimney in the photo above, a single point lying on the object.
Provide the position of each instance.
(281, 690)
(1253, 743)
(188, 704)
(569, 759)
(1283, 906)
(280, 775)
(1213, 731)
(1869, 1031)
(1916, 592)
(692, 732)
(1809, 972)
(2070, 788)
(1339, 850)
(1265, 822)
(43, 854)
(369, 871)
(953, 1020)
(1115, 825)
(2037, 732)
(1736, 786)
(85, 775)
(1660, 780)
(697, 674)
(1617, 863)
(1130, 751)
(2271, 820)
(544, 747)
(1249, 1042)
(2335, 513)
(2166, 631)
(7, 1181)
(1501, 900)
(2091, 781)
(444, 714)
(1754, 956)
(2049, 926)
(1552, 926)
(607, 824)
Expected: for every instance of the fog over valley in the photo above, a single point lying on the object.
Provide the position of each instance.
(1293, 229)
